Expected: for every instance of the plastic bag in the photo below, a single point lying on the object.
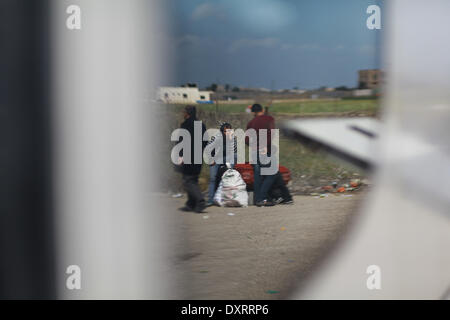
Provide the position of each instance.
(232, 190)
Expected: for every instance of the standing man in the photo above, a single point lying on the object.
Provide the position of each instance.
(262, 183)
(190, 169)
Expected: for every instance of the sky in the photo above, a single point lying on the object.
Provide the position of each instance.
(275, 44)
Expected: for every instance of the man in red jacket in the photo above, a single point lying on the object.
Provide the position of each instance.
(262, 183)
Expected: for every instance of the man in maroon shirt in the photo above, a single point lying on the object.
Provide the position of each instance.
(262, 183)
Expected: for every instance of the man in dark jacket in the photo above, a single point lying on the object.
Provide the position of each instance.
(191, 168)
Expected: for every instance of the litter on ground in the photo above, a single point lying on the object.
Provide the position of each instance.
(177, 195)
(272, 291)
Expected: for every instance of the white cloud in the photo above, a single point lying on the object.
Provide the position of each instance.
(206, 10)
(188, 40)
(271, 43)
(254, 43)
(299, 47)
(287, 46)
(263, 15)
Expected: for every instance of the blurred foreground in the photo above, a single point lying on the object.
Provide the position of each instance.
(256, 253)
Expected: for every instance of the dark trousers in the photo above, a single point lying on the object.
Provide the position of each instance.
(279, 188)
(262, 183)
(195, 196)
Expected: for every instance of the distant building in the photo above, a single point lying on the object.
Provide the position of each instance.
(183, 95)
(299, 91)
(220, 87)
(370, 79)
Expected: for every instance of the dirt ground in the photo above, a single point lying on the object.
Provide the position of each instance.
(256, 253)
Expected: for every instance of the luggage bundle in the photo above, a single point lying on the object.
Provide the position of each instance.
(246, 171)
(232, 190)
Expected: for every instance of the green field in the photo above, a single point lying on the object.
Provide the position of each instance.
(298, 107)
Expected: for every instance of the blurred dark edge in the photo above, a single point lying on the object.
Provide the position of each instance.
(27, 255)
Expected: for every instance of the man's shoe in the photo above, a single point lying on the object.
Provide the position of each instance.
(268, 203)
(186, 209)
(278, 201)
(288, 201)
(200, 209)
(259, 204)
(265, 203)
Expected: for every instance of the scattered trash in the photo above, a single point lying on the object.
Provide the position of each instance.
(349, 189)
(346, 185)
(230, 214)
(355, 183)
(341, 189)
(272, 291)
(282, 228)
(290, 260)
(327, 188)
(347, 195)
(205, 217)
(323, 195)
(177, 195)
(334, 184)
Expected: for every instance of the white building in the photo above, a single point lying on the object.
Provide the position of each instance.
(362, 92)
(184, 95)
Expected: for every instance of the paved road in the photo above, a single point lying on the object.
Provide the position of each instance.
(256, 253)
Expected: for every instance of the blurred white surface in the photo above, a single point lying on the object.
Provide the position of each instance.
(104, 168)
(405, 227)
